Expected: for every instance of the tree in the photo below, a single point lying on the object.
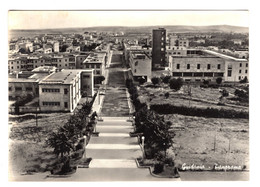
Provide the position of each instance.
(99, 79)
(157, 132)
(63, 48)
(141, 80)
(166, 79)
(176, 84)
(245, 80)
(60, 142)
(219, 80)
(155, 80)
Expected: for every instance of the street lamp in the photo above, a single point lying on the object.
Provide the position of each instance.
(143, 146)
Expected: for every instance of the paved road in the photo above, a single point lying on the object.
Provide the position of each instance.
(115, 103)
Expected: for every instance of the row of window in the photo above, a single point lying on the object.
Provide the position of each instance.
(198, 66)
(50, 90)
(20, 88)
(50, 103)
(45, 103)
(240, 65)
(240, 71)
(197, 74)
(93, 66)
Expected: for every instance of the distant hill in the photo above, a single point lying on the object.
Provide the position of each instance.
(141, 29)
(175, 28)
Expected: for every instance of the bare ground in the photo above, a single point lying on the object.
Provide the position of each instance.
(196, 136)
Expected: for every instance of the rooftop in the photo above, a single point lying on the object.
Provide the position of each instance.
(44, 69)
(62, 77)
(95, 58)
(224, 56)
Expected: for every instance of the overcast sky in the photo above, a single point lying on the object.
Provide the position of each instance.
(65, 19)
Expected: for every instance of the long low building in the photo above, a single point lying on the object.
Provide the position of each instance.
(208, 65)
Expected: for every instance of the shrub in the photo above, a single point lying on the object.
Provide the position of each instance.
(155, 80)
(200, 112)
(245, 80)
(166, 79)
(166, 95)
(225, 93)
(158, 167)
(99, 79)
(219, 80)
(141, 80)
(205, 82)
(176, 84)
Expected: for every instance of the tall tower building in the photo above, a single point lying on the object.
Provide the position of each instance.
(158, 48)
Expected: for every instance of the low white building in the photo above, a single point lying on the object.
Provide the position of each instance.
(141, 65)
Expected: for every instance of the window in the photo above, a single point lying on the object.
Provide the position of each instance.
(65, 64)
(188, 66)
(10, 88)
(208, 66)
(178, 66)
(208, 74)
(198, 74)
(12, 67)
(98, 65)
(219, 66)
(135, 70)
(18, 88)
(177, 74)
(246, 71)
(65, 91)
(246, 64)
(239, 77)
(66, 104)
(240, 65)
(17, 67)
(98, 72)
(198, 66)
(28, 88)
(50, 90)
(240, 71)
(136, 63)
(229, 73)
(187, 74)
(50, 103)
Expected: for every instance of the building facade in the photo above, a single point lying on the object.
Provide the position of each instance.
(140, 64)
(61, 91)
(197, 68)
(208, 65)
(158, 48)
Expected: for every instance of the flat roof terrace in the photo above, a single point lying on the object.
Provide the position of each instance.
(62, 77)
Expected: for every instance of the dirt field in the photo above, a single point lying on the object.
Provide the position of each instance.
(195, 137)
(200, 97)
(27, 149)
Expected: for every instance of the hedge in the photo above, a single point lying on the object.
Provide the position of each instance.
(200, 112)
